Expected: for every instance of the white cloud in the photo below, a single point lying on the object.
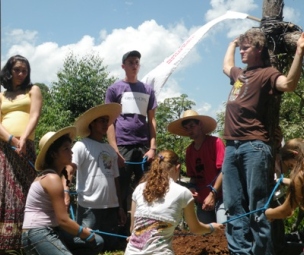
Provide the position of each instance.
(17, 36)
(154, 41)
(219, 7)
(291, 15)
(232, 28)
(203, 108)
(172, 89)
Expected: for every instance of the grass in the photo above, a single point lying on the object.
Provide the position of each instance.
(112, 253)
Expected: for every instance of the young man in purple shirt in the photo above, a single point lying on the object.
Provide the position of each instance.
(133, 135)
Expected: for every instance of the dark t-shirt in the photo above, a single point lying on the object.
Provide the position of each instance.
(246, 109)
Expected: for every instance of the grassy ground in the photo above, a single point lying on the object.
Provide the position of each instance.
(112, 253)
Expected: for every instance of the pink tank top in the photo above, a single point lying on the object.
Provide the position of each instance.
(39, 211)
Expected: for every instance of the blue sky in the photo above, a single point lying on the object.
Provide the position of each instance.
(44, 31)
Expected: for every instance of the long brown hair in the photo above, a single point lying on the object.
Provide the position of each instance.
(157, 178)
(6, 73)
(294, 150)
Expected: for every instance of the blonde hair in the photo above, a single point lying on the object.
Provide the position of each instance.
(157, 178)
(294, 150)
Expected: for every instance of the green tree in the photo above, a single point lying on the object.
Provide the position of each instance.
(168, 111)
(292, 112)
(81, 84)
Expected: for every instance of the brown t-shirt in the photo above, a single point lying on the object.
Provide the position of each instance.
(246, 109)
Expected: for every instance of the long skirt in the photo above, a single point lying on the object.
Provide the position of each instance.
(16, 175)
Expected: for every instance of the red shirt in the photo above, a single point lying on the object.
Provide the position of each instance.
(205, 164)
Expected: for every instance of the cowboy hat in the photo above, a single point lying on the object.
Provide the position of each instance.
(47, 140)
(208, 123)
(82, 123)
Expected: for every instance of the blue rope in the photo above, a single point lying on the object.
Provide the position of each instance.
(142, 163)
(109, 234)
(31, 164)
(72, 212)
(263, 209)
(72, 215)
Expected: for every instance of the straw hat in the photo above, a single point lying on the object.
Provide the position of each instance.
(47, 140)
(112, 110)
(208, 123)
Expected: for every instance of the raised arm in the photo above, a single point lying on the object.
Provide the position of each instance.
(229, 59)
(290, 82)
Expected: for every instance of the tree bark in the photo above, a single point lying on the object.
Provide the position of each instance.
(281, 42)
(273, 8)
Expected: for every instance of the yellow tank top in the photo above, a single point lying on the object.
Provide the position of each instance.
(15, 115)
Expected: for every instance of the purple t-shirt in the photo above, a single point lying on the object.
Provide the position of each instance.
(137, 99)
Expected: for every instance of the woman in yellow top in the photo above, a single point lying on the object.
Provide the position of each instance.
(20, 105)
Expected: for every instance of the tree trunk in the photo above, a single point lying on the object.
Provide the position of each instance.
(273, 8)
(281, 41)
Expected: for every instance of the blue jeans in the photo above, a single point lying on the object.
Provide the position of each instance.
(247, 176)
(47, 240)
(105, 220)
(216, 215)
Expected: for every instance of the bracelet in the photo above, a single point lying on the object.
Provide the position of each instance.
(10, 139)
(154, 149)
(67, 191)
(79, 231)
(211, 228)
(213, 190)
(89, 237)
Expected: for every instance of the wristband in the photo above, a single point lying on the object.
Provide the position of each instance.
(213, 190)
(211, 228)
(10, 139)
(79, 231)
(67, 191)
(153, 149)
(89, 237)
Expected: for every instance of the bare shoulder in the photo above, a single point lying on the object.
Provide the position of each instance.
(51, 181)
(35, 90)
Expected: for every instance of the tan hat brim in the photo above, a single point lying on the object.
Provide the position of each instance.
(51, 137)
(208, 123)
(82, 123)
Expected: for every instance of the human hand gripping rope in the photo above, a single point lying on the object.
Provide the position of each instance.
(72, 215)
(30, 163)
(142, 163)
(263, 209)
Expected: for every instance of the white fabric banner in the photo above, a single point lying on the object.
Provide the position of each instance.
(159, 75)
